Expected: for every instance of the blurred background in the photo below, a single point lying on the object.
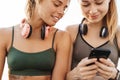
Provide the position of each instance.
(12, 11)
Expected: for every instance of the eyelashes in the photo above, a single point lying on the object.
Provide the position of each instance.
(86, 4)
(99, 3)
(58, 4)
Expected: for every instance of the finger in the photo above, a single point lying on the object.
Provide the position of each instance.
(106, 77)
(104, 72)
(107, 62)
(86, 61)
(88, 74)
(86, 68)
(90, 77)
(91, 67)
(103, 66)
(79, 74)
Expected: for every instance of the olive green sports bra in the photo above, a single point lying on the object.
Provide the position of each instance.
(27, 64)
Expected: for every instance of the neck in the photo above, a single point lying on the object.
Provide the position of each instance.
(95, 24)
(36, 23)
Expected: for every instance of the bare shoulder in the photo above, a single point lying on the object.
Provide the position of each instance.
(72, 27)
(62, 34)
(5, 36)
(5, 32)
(73, 30)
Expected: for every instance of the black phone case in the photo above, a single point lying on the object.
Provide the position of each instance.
(99, 53)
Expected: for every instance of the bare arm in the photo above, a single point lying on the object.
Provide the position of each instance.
(80, 71)
(72, 30)
(63, 48)
(4, 40)
(2, 52)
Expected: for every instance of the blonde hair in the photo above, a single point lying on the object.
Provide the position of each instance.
(112, 19)
(30, 6)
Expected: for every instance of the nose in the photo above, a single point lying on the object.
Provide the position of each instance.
(93, 9)
(61, 11)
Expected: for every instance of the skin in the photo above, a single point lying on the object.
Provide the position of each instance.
(49, 12)
(94, 12)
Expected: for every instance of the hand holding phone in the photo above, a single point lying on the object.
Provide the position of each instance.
(99, 53)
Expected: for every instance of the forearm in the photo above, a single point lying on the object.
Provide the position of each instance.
(0, 77)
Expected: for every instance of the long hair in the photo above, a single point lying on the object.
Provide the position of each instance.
(30, 6)
(112, 19)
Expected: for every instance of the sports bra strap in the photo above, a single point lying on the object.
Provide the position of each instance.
(54, 38)
(12, 36)
(78, 32)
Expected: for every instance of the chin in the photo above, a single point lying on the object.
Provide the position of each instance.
(51, 24)
(95, 20)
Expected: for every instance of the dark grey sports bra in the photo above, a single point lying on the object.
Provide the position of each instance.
(82, 49)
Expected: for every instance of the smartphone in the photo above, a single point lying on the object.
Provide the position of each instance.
(99, 53)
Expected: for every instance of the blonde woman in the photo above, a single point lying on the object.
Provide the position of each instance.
(33, 51)
(98, 30)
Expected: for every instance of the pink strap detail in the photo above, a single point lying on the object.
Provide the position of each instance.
(25, 30)
(47, 31)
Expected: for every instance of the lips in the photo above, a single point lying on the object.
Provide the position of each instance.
(55, 18)
(94, 16)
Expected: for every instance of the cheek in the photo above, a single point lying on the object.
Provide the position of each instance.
(43, 12)
(84, 11)
(104, 9)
